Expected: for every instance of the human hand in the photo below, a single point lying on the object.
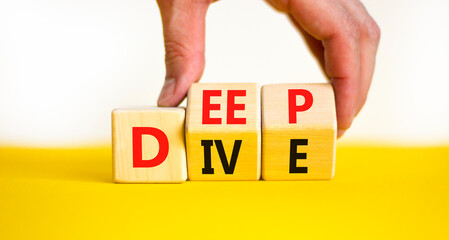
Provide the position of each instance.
(340, 33)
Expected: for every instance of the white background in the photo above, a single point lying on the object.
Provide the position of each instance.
(65, 64)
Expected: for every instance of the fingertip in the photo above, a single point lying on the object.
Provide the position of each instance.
(345, 101)
(167, 93)
(343, 124)
(165, 103)
(340, 132)
(172, 101)
(173, 92)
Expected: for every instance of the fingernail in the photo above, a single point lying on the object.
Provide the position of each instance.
(340, 132)
(167, 92)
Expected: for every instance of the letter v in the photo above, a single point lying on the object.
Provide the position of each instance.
(228, 167)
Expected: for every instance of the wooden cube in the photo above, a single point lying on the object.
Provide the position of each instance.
(148, 145)
(223, 131)
(298, 131)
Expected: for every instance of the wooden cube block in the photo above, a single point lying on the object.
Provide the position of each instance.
(148, 145)
(298, 131)
(223, 131)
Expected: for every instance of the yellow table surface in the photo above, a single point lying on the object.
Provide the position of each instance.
(378, 192)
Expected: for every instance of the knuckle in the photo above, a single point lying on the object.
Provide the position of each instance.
(352, 29)
(175, 49)
(177, 53)
(371, 29)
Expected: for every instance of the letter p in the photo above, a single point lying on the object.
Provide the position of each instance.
(293, 108)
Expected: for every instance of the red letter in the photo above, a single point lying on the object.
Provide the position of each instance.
(207, 106)
(232, 107)
(138, 162)
(293, 108)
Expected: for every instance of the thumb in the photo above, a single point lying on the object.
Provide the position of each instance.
(184, 26)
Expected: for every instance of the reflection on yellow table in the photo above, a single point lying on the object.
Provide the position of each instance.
(378, 192)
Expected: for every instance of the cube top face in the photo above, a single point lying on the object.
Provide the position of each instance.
(148, 145)
(223, 107)
(299, 132)
(292, 106)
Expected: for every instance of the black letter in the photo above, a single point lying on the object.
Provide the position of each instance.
(294, 155)
(207, 156)
(228, 168)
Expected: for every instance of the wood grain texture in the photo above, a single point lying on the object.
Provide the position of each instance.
(247, 165)
(315, 131)
(171, 122)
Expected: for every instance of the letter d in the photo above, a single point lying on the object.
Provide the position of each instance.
(162, 139)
